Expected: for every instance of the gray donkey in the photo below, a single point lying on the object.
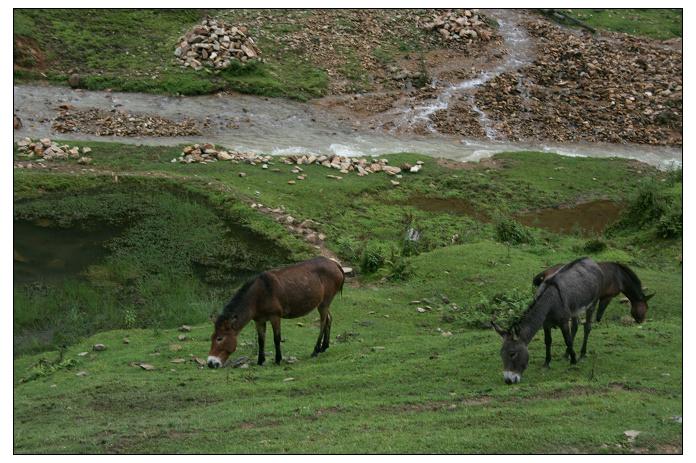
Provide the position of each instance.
(573, 290)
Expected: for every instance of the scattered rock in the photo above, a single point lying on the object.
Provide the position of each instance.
(81, 373)
(145, 366)
(74, 80)
(98, 347)
(178, 360)
(182, 337)
(185, 328)
(16, 122)
(47, 150)
(288, 380)
(631, 435)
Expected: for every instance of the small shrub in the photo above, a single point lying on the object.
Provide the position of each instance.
(510, 231)
(670, 223)
(399, 267)
(594, 246)
(374, 256)
(348, 248)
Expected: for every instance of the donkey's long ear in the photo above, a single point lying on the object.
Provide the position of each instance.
(498, 329)
(648, 297)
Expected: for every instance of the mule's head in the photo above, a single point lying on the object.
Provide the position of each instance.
(639, 309)
(223, 341)
(514, 354)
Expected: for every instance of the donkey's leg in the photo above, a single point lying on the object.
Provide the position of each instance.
(323, 312)
(568, 340)
(547, 341)
(275, 324)
(327, 332)
(573, 331)
(261, 334)
(588, 328)
(603, 303)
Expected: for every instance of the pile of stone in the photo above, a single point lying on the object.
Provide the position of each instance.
(120, 123)
(207, 152)
(47, 150)
(466, 25)
(215, 44)
(344, 164)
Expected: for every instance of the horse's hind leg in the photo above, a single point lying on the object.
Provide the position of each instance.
(573, 331)
(275, 324)
(588, 328)
(324, 314)
(327, 332)
(565, 329)
(261, 333)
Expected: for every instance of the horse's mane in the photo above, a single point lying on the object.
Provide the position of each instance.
(235, 304)
(638, 286)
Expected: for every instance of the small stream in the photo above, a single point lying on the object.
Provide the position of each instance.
(281, 127)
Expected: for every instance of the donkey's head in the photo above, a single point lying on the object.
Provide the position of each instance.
(514, 354)
(639, 308)
(223, 341)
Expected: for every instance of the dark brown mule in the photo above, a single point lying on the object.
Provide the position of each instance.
(286, 292)
(617, 278)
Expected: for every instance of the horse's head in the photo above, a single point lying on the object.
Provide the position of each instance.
(223, 341)
(514, 354)
(640, 308)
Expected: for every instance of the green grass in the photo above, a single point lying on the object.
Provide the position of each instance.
(100, 45)
(655, 23)
(391, 382)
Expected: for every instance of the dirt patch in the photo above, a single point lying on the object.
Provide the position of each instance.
(444, 405)
(588, 218)
(488, 163)
(455, 206)
(27, 54)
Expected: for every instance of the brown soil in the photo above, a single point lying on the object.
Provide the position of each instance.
(28, 54)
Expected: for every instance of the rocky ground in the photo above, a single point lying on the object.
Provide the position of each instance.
(120, 123)
(613, 88)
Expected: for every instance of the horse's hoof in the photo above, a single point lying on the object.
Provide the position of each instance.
(547, 366)
(315, 353)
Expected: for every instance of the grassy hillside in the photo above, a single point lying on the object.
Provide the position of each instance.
(656, 23)
(394, 380)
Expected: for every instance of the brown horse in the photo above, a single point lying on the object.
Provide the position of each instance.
(617, 278)
(286, 292)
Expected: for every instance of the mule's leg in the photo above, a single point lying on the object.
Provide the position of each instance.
(261, 334)
(603, 303)
(547, 341)
(275, 324)
(588, 328)
(565, 329)
(323, 312)
(327, 333)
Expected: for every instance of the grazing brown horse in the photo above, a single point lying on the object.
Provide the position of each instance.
(617, 278)
(286, 292)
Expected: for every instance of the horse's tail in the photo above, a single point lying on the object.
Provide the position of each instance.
(343, 275)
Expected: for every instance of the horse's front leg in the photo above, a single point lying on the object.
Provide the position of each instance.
(573, 331)
(275, 324)
(565, 329)
(588, 328)
(547, 341)
(261, 335)
(603, 303)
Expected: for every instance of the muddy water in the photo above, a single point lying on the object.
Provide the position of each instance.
(455, 206)
(45, 252)
(588, 219)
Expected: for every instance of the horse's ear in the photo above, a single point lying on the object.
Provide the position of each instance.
(648, 297)
(498, 329)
